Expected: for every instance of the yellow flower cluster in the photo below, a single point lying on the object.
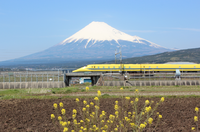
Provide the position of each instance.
(195, 118)
(95, 120)
(87, 88)
(61, 104)
(55, 105)
(52, 116)
(136, 91)
(197, 109)
(162, 99)
(99, 93)
(150, 120)
(147, 109)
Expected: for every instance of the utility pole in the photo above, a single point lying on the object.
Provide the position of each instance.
(120, 52)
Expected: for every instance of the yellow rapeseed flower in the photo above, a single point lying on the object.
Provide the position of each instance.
(116, 102)
(150, 120)
(193, 128)
(72, 131)
(96, 107)
(136, 90)
(61, 104)
(74, 111)
(142, 126)
(121, 89)
(64, 124)
(75, 121)
(55, 105)
(132, 102)
(63, 111)
(61, 122)
(136, 99)
(77, 100)
(91, 103)
(146, 102)
(147, 109)
(84, 102)
(116, 129)
(160, 116)
(197, 109)
(59, 118)
(128, 98)
(99, 93)
(52, 116)
(87, 106)
(65, 129)
(116, 113)
(116, 107)
(74, 116)
(162, 99)
(87, 88)
(84, 109)
(96, 98)
(132, 124)
(195, 118)
(88, 120)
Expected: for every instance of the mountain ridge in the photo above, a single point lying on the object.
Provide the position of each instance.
(185, 55)
(96, 41)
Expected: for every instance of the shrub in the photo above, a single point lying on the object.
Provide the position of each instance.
(92, 119)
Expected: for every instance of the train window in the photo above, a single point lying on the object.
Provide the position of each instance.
(103, 67)
(113, 67)
(94, 66)
(194, 66)
(129, 67)
(179, 66)
(156, 66)
(98, 67)
(149, 67)
(108, 67)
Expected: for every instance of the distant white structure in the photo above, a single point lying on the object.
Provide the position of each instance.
(180, 63)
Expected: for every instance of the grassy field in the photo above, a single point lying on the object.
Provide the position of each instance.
(78, 90)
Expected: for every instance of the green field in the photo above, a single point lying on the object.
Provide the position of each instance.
(111, 91)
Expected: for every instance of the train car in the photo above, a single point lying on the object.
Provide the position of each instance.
(139, 68)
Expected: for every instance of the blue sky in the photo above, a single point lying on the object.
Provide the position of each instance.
(29, 26)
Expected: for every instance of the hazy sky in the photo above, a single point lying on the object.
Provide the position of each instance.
(29, 26)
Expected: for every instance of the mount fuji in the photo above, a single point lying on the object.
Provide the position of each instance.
(96, 41)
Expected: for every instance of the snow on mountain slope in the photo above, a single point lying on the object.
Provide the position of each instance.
(100, 32)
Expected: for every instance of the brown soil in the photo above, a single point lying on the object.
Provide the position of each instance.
(21, 115)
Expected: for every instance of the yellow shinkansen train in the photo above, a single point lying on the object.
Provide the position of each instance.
(139, 68)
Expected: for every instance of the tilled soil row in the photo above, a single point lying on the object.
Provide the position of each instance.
(21, 115)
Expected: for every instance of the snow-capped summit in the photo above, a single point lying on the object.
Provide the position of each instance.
(100, 32)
